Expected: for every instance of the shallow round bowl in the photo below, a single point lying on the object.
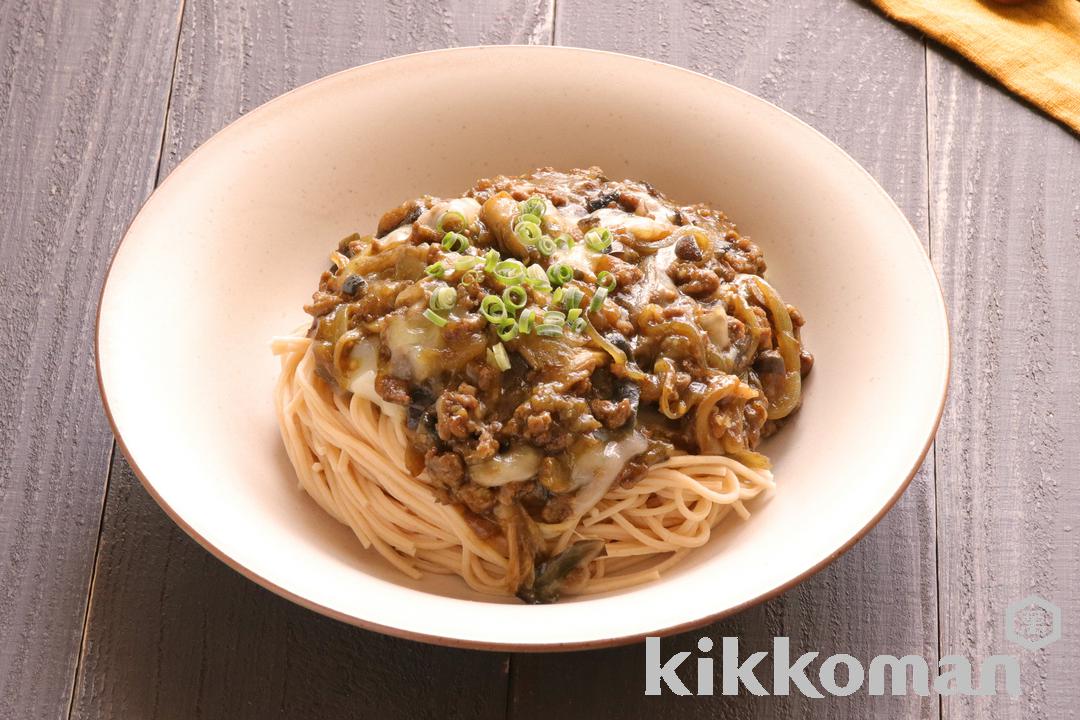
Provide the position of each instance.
(227, 250)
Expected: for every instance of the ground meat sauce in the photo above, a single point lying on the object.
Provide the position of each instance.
(621, 323)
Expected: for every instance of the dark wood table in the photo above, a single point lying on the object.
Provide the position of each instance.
(108, 610)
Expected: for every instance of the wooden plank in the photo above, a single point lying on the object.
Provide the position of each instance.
(82, 108)
(860, 81)
(1005, 211)
(171, 631)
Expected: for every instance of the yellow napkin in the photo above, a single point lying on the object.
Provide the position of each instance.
(1032, 48)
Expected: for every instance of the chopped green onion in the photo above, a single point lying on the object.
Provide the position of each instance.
(598, 239)
(508, 329)
(528, 232)
(557, 296)
(527, 320)
(527, 217)
(493, 308)
(598, 299)
(471, 278)
(490, 258)
(549, 330)
(535, 205)
(455, 241)
(497, 356)
(554, 317)
(435, 318)
(436, 269)
(606, 280)
(566, 241)
(573, 316)
(537, 278)
(509, 272)
(466, 262)
(515, 297)
(577, 325)
(443, 299)
(560, 273)
(545, 245)
(458, 218)
(572, 297)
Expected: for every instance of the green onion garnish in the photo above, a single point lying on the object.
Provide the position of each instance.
(606, 280)
(598, 299)
(545, 245)
(598, 239)
(493, 308)
(527, 321)
(436, 269)
(497, 356)
(435, 318)
(515, 297)
(572, 297)
(452, 215)
(455, 241)
(490, 258)
(554, 317)
(443, 299)
(466, 262)
(508, 329)
(535, 205)
(560, 273)
(527, 217)
(549, 330)
(528, 232)
(535, 277)
(557, 296)
(574, 320)
(509, 272)
(471, 278)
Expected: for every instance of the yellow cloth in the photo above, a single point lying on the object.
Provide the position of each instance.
(1033, 48)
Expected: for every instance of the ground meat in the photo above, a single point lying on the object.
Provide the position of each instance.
(446, 469)
(692, 279)
(392, 389)
(687, 248)
(477, 498)
(612, 414)
(557, 509)
(537, 426)
(485, 447)
(551, 421)
(625, 273)
(456, 411)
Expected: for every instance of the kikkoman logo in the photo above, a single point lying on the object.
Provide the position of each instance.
(1033, 623)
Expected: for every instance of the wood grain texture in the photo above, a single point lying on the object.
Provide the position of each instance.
(172, 632)
(175, 633)
(1006, 238)
(82, 107)
(860, 81)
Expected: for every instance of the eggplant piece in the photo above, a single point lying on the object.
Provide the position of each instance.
(420, 401)
(552, 574)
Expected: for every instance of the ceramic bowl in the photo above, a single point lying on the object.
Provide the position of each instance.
(224, 254)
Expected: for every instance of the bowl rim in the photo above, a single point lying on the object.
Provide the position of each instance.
(455, 642)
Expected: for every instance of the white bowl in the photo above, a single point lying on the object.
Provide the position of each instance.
(231, 245)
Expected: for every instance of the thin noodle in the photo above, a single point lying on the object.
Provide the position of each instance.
(349, 457)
